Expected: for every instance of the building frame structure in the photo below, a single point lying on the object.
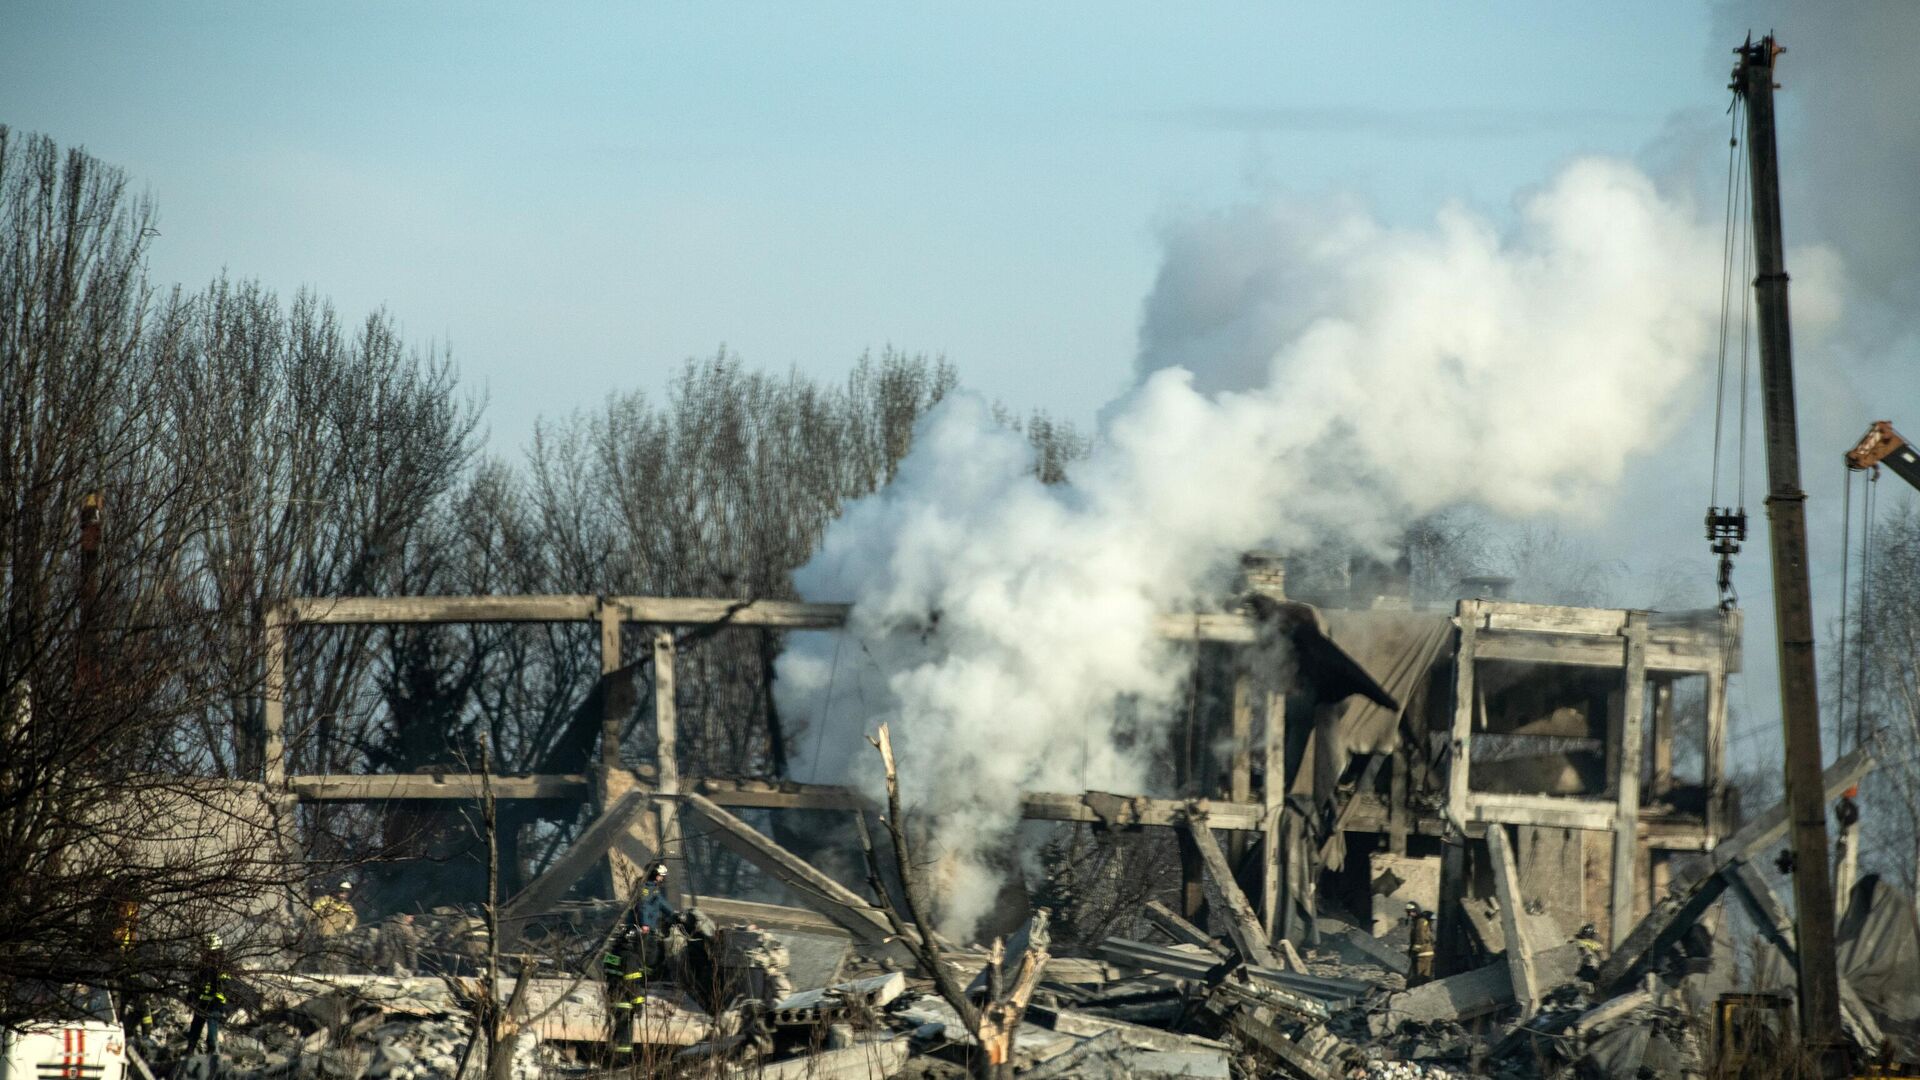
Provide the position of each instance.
(639, 804)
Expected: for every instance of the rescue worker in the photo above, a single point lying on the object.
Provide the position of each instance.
(1588, 939)
(655, 913)
(399, 946)
(334, 919)
(1419, 945)
(624, 968)
(211, 985)
(136, 1005)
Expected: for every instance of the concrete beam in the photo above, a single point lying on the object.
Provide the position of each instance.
(1527, 990)
(403, 786)
(577, 861)
(1243, 923)
(1180, 930)
(832, 899)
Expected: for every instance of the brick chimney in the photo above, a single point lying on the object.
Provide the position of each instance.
(1264, 573)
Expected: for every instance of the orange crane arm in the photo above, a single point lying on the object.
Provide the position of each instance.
(1882, 445)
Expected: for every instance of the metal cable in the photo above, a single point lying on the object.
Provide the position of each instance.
(826, 710)
(1846, 560)
(1746, 299)
(1726, 300)
(1866, 606)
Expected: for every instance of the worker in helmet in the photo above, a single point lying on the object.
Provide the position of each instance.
(623, 966)
(1592, 952)
(655, 914)
(333, 919)
(1419, 945)
(136, 1006)
(211, 984)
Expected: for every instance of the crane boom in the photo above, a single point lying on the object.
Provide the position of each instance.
(1882, 445)
(1792, 591)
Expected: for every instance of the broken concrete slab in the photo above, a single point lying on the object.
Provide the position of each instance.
(834, 900)
(1155, 1000)
(873, 993)
(1398, 880)
(1154, 1064)
(1086, 1025)
(1109, 1055)
(573, 864)
(1471, 993)
(867, 1061)
(1252, 994)
(1256, 1026)
(1527, 989)
(1193, 964)
(417, 996)
(1357, 946)
(1082, 1057)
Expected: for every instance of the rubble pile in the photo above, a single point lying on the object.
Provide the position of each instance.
(1137, 1009)
(365, 1032)
(1187, 1005)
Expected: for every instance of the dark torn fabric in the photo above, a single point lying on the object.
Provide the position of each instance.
(1644, 1046)
(1878, 949)
(1300, 877)
(1398, 648)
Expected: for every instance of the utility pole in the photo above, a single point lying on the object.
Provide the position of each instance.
(1792, 594)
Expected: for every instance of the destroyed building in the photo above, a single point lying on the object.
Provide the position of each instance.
(1522, 770)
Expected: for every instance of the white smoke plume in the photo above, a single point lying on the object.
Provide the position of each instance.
(1306, 373)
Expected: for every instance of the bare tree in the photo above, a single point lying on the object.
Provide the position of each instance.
(321, 450)
(115, 856)
(1881, 681)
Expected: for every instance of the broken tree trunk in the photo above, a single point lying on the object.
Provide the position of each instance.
(1006, 1004)
(925, 948)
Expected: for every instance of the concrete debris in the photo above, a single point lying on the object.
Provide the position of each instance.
(1196, 1008)
(1410, 1070)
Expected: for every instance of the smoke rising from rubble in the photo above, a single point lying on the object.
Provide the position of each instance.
(1306, 373)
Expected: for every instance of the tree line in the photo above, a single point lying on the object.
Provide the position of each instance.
(175, 461)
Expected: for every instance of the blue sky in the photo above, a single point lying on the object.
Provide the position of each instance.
(575, 198)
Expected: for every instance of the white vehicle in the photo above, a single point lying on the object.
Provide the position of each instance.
(76, 1050)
